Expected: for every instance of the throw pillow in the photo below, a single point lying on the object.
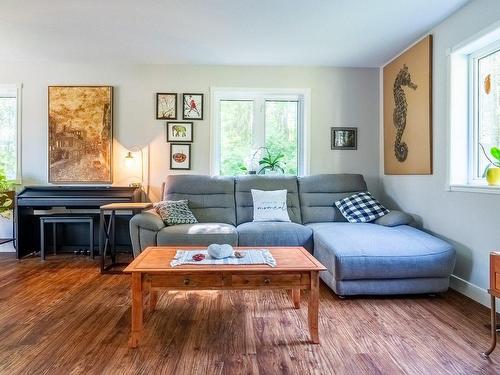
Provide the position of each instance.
(175, 212)
(361, 208)
(269, 205)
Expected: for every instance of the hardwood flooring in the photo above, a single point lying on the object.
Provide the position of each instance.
(63, 317)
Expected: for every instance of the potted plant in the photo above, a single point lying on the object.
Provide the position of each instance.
(492, 171)
(271, 164)
(6, 196)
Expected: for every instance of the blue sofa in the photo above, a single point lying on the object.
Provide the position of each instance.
(388, 256)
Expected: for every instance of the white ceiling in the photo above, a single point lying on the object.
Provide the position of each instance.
(358, 33)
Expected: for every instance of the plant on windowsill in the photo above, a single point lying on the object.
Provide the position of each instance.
(492, 171)
(6, 196)
(271, 164)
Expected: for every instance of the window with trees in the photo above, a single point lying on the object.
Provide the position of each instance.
(485, 122)
(251, 126)
(9, 130)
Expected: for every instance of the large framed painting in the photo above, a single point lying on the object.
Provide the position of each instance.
(80, 134)
(408, 111)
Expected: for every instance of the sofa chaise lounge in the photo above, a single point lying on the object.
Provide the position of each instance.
(387, 256)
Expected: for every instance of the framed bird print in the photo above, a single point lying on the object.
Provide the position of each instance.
(192, 106)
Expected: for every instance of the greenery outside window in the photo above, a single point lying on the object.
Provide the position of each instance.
(254, 124)
(10, 120)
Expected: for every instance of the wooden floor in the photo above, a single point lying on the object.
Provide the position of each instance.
(63, 317)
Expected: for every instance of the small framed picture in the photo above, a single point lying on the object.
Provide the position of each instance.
(166, 106)
(179, 132)
(192, 105)
(180, 156)
(344, 138)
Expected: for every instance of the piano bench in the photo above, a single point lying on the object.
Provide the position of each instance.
(56, 219)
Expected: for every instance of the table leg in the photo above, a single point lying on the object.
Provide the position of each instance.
(101, 239)
(112, 237)
(42, 240)
(493, 328)
(296, 298)
(137, 313)
(313, 309)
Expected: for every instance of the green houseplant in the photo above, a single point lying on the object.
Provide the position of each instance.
(492, 171)
(271, 163)
(6, 196)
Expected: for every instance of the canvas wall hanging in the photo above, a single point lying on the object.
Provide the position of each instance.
(80, 134)
(408, 111)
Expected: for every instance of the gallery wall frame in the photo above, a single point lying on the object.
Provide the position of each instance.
(166, 106)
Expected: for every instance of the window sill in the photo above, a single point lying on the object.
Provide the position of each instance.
(474, 188)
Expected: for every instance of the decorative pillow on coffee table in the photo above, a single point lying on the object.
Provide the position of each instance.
(175, 212)
(361, 208)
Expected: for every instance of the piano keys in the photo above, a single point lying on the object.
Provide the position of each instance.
(81, 198)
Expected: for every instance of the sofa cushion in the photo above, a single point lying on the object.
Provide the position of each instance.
(201, 234)
(269, 205)
(274, 234)
(371, 251)
(319, 193)
(175, 212)
(361, 208)
(211, 199)
(243, 195)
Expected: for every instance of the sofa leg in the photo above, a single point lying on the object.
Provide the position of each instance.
(341, 297)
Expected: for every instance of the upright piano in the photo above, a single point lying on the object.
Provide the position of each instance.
(68, 198)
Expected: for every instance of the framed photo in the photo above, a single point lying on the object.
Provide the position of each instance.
(344, 138)
(166, 106)
(179, 132)
(192, 105)
(80, 134)
(180, 156)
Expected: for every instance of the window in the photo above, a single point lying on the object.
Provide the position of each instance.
(474, 110)
(485, 67)
(248, 125)
(9, 131)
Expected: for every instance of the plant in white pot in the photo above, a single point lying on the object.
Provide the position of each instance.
(271, 164)
(492, 171)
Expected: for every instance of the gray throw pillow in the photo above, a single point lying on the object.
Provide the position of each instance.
(175, 212)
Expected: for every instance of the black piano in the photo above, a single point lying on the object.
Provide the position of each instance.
(34, 198)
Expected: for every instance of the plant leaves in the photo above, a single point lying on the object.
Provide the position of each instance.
(495, 152)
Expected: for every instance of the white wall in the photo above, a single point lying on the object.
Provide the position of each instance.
(468, 220)
(339, 97)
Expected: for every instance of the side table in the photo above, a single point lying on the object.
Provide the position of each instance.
(107, 230)
(494, 292)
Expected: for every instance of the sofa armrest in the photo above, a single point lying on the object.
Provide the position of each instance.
(395, 218)
(148, 220)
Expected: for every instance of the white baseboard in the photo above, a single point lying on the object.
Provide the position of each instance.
(472, 291)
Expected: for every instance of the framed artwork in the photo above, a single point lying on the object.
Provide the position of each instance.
(180, 156)
(344, 138)
(166, 106)
(192, 105)
(408, 111)
(179, 132)
(80, 128)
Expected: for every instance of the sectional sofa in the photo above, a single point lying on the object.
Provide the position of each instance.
(388, 256)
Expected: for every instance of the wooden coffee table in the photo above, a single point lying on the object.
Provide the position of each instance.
(296, 269)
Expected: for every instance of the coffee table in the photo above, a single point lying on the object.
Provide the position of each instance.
(296, 270)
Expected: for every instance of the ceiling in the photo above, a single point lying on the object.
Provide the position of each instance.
(357, 33)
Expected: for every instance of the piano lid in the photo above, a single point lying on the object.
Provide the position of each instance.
(74, 196)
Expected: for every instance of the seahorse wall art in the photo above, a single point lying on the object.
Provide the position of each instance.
(400, 110)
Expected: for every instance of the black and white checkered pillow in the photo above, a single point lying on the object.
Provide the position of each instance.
(361, 208)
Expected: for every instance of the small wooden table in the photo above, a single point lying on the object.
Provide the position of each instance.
(107, 231)
(296, 269)
(494, 292)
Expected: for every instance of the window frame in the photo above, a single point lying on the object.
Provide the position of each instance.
(259, 97)
(474, 151)
(18, 89)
